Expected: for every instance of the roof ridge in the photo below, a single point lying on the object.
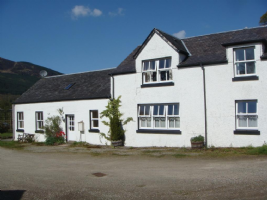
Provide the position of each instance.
(79, 73)
(168, 34)
(265, 26)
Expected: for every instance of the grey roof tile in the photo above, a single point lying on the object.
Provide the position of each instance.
(88, 85)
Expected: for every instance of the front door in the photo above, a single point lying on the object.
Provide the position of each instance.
(70, 128)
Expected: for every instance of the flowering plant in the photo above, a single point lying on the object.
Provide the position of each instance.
(60, 134)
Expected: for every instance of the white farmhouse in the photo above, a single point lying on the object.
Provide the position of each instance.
(212, 85)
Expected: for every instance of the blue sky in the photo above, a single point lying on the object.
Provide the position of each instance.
(78, 36)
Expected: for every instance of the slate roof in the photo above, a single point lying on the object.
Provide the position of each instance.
(210, 49)
(128, 65)
(88, 85)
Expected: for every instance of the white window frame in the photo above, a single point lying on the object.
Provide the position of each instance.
(39, 120)
(20, 120)
(164, 115)
(244, 61)
(144, 117)
(149, 72)
(246, 115)
(92, 119)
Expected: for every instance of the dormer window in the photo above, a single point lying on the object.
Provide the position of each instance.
(244, 60)
(156, 71)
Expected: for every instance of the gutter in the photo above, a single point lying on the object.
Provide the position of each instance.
(205, 105)
(199, 64)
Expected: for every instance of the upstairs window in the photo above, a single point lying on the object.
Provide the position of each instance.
(244, 61)
(39, 120)
(246, 114)
(155, 71)
(20, 120)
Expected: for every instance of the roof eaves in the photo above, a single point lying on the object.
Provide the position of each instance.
(264, 41)
(120, 73)
(201, 63)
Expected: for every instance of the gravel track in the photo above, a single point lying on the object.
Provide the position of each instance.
(68, 173)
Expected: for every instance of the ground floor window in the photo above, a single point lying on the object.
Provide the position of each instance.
(159, 116)
(39, 120)
(20, 120)
(246, 114)
(94, 120)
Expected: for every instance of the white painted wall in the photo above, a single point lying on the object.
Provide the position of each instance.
(80, 109)
(222, 93)
(187, 91)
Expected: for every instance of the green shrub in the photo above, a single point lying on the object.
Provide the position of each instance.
(258, 150)
(4, 127)
(199, 138)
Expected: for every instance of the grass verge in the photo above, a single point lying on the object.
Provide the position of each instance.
(11, 144)
(6, 135)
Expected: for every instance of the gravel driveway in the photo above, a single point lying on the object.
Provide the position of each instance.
(72, 175)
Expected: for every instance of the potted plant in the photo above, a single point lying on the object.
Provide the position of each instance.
(197, 142)
(116, 132)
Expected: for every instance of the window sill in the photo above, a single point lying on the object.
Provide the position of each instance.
(156, 131)
(245, 78)
(246, 132)
(94, 130)
(157, 84)
(39, 131)
(20, 130)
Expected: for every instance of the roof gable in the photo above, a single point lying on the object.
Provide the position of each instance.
(174, 42)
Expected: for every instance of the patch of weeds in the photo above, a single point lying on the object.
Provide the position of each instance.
(258, 150)
(178, 155)
(11, 144)
(151, 151)
(119, 154)
(79, 144)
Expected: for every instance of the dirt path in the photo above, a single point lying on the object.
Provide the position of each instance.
(70, 175)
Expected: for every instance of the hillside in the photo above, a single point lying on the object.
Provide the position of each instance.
(17, 77)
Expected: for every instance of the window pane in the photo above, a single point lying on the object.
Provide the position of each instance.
(95, 123)
(168, 63)
(146, 65)
(250, 54)
(147, 110)
(161, 63)
(156, 121)
(148, 121)
(154, 76)
(176, 110)
(161, 110)
(94, 114)
(170, 109)
(240, 68)
(171, 122)
(162, 122)
(168, 75)
(142, 110)
(251, 68)
(177, 122)
(143, 122)
(163, 75)
(242, 121)
(241, 107)
(147, 76)
(155, 112)
(152, 65)
(252, 121)
(239, 54)
(252, 107)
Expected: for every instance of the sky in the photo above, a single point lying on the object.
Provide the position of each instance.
(86, 35)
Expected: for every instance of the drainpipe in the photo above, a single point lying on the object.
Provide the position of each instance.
(112, 86)
(205, 105)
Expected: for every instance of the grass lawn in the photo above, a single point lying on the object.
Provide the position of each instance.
(11, 144)
(6, 135)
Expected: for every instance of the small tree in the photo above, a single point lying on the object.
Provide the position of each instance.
(263, 19)
(53, 131)
(115, 122)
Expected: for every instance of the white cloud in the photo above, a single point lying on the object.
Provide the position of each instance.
(181, 34)
(118, 12)
(82, 11)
